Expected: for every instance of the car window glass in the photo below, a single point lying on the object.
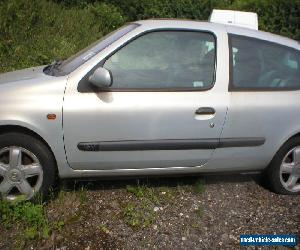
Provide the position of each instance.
(165, 59)
(261, 64)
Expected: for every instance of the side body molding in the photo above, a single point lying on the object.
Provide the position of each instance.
(181, 144)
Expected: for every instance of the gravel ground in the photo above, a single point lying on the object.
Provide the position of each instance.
(166, 213)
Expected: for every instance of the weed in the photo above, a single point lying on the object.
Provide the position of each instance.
(200, 186)
(103, 228)
(30, 233)
(138, 216)
(143, 192)
(29, 220)
(166, 194)
(200, 212)
(61, 197)
(58, 225)
(75, 199)
(82, 195)
(195, 225)
(140, 213)
(138, 190)
(30, 216)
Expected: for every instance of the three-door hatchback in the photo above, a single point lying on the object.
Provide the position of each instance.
(155, 97)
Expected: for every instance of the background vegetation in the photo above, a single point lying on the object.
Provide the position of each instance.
(34, 32)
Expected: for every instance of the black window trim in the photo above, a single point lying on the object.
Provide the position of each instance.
(84, 86)
(232, 88)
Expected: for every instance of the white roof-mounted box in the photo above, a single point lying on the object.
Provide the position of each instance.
(237, 18)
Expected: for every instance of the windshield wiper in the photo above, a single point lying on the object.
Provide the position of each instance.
(55, 64)
(52, 67)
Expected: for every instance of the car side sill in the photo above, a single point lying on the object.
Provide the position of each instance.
(170, 144)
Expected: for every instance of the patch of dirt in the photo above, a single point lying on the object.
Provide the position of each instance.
(166, 213)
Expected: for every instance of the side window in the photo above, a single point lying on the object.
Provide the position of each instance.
(165, 59)
(260, 64)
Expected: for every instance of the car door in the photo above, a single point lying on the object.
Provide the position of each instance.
(166, 106)
(264, 100)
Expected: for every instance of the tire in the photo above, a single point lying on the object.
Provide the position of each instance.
(24, 160)
(281, 177)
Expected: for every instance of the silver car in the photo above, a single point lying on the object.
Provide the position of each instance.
(155, 97)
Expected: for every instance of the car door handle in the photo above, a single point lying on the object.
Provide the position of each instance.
(205, 111)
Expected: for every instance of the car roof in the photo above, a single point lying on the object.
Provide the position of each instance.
(232, 29)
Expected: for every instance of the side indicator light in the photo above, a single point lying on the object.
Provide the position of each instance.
(51, 116)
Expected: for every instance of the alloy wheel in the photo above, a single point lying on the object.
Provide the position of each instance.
(290, 170)
(21, 174)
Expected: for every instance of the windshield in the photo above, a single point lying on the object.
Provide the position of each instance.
(69, 65)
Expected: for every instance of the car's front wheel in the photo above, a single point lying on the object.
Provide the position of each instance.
(284, 170)
(27, 167)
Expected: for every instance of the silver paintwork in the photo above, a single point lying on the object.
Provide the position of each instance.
(290, 170)
(16, 174)
(144, 115)
(27, 96)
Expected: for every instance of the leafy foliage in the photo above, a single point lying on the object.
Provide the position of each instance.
(35, 32)
(138, 216)
(28, 215)
(31, 221)
(276, 16)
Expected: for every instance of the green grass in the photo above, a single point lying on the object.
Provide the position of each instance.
(140, 212)
(138, 191)
(29, 220)
(103, 228)
(144, 192)
(82, 195)
(157, 196)
(199, 186)
(200, 212)
(138, 215)
(26, 215)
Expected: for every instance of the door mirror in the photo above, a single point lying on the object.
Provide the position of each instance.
(101, 78)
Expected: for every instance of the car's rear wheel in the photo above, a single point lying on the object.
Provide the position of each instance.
(284, 170)
(27, 167)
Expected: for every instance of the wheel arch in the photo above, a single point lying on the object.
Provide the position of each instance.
(295, 135)
(282, 142)
(24, 130)
(287, 138)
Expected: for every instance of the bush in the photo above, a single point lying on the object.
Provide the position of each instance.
(35, 32)
(105, 17)
(144, 9)
(276, 16)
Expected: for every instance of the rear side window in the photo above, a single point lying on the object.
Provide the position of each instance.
(165, 60)
(258, 64)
